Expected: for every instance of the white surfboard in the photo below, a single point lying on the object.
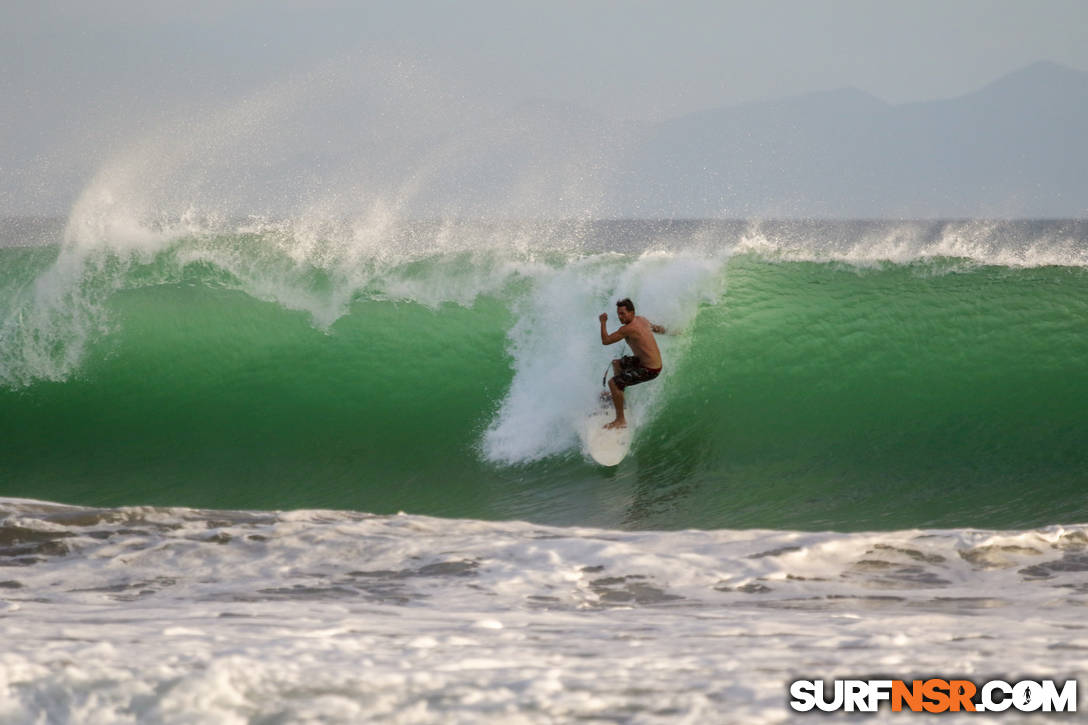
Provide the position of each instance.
(606, 446)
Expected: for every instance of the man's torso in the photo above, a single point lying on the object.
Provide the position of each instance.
(640, 338)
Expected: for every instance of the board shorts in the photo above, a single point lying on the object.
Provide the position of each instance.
(632, 372)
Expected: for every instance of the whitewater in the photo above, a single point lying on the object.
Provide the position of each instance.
(138, 614)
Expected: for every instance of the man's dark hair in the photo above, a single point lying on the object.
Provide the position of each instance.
(626, 302)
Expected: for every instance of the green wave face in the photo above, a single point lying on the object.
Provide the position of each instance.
(880, 398)
(809, 393)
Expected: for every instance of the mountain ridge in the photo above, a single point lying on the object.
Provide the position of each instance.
(1014, 147)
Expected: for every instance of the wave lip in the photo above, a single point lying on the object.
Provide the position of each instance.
(1001, 243)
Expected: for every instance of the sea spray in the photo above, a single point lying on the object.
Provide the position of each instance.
(557, 355)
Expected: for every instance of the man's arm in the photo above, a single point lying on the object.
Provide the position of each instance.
(616, 336)
(658, 329)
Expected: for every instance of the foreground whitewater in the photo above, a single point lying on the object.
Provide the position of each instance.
(156, 615)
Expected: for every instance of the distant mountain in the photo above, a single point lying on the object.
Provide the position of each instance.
(1016, 148)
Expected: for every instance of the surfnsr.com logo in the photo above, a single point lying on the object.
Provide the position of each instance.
(933, 695)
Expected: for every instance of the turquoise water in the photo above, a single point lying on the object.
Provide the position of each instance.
(802, 390)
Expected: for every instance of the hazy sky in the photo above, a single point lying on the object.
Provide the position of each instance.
(79, 79)
(643, 60)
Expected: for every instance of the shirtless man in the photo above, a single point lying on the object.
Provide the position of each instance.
(644, 365)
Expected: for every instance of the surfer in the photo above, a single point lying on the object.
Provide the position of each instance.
(644, 365)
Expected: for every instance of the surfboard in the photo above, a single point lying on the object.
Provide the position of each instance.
(606, 446)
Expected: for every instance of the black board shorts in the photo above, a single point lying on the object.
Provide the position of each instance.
(632, 372)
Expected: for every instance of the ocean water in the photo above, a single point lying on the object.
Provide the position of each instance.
(279, 470)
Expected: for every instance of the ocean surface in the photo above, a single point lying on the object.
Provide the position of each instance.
(327, 470)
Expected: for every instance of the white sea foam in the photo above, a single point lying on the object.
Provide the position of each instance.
(979, 242)
(556, 351)
(175, 615)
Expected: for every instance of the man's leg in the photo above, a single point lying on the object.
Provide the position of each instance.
(617, 402)
(606, 396)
